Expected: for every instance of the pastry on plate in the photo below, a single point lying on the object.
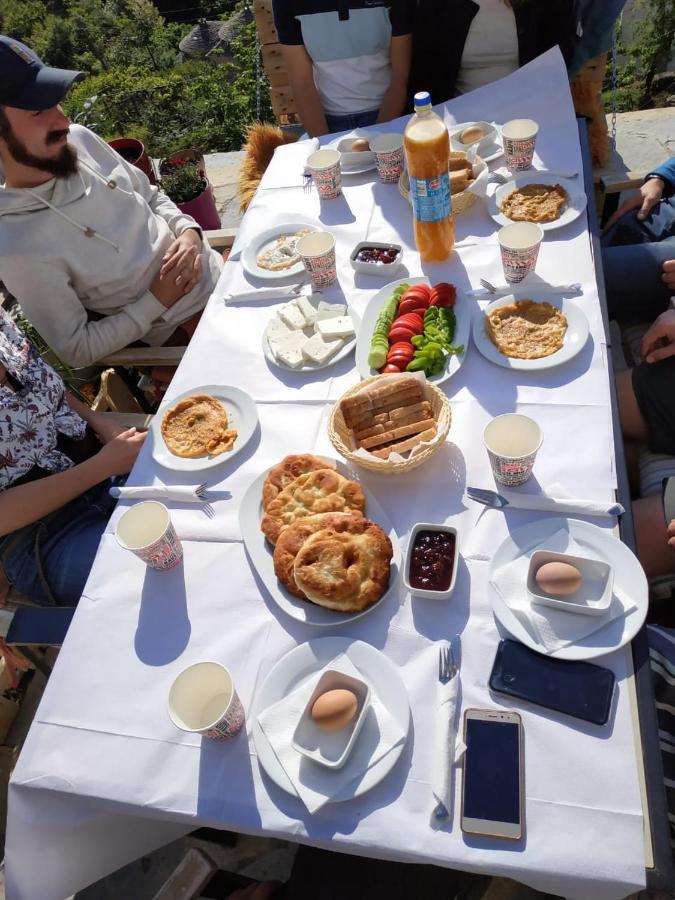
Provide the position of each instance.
(282, 252)
(535, 203)
(346, 570)
(319, 491)
(290, 467)
(526, 329)
(197, 425)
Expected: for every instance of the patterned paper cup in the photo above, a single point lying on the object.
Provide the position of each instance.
(318, 256)
(325, 168)
(519, 244)
(203, 700)
(388, 150)
(146, 529)
(519, 137)
(512, 442)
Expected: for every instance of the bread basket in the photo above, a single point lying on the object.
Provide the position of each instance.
(460, 201)
(341, 437)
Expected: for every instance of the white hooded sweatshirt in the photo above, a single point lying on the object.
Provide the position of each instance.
(93, 242)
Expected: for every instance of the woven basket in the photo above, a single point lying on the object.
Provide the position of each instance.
(341, 437)
(460, 202)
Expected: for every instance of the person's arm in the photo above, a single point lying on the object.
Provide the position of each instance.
(666, 173)
(301, 78)
(26, 503)
(659, 341)
(105, 427)
(645, 199)
(394, 101)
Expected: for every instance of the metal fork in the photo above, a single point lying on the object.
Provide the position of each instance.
(486, 496)
(307, 182)
(447, 669)
(497, 178)
(556, 288)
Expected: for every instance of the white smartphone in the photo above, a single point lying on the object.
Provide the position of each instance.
(493, 785)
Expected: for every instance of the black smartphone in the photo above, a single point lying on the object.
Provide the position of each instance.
(578, 689)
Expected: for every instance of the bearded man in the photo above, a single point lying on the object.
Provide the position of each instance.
(96, 255)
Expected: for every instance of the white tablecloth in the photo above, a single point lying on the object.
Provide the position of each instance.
(104, 776)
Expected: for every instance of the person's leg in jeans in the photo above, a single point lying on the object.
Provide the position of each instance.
(351, 120)
(635, 288)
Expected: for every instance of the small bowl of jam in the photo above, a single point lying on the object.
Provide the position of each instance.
(431, 561)
(374, 258)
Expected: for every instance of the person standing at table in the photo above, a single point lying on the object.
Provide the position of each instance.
(461, 45)
(56, 460)
(348, 63)
(96, 255)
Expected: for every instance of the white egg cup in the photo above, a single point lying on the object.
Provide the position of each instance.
(331, 748)
(594, 596)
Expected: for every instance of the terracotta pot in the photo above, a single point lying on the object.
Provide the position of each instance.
(202, 209)
(133, 151)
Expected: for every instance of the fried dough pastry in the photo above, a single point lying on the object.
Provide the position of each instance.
(197, 425)
(290, 467)
(346, 571)
(294, 536)
(526, 329)
(535, 203)
(323, 490)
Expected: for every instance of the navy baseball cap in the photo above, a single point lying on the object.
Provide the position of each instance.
(25, 82)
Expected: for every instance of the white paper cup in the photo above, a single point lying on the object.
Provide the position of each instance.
(388, 150)
(519, 244)
(518, 138)
(325, 168)
(317, 251)
(512, 442)
(203, 700)
(146, 529)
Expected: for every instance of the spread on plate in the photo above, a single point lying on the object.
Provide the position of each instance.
(197, 425)
(526, 329)
(535, 203)
(282, 252)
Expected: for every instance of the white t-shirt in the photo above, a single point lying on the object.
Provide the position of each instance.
(491, 48)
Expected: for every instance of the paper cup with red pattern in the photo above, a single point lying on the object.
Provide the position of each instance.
(317, 251)
(512, 442)
(203, 700)
(146, 529)
(388, 150)
(324, 166)
(518, 138)
(519, 244)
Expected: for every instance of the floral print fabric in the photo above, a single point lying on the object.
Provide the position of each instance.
(33, 416)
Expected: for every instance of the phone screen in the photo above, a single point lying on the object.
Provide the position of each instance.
(492, 787)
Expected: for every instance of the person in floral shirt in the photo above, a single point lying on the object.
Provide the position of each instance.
(56, 461)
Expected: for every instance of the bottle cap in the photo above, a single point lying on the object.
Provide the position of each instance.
(422, 100)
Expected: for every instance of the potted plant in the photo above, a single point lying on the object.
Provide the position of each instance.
(185, 183)
(133, 151)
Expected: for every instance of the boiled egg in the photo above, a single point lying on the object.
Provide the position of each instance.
(471, 134)
(334, 709)
(360, 145)
(558, 578)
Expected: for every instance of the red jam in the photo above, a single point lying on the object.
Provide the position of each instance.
(377, 255)
(431, 561)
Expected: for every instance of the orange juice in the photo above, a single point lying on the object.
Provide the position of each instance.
(427, 150)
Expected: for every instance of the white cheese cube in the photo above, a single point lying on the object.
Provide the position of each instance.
(291, 341)
(290, 315)
(276, 329)
(317, 351)
(339, 327)
(308, 309)
(292, 358)
(330, 310)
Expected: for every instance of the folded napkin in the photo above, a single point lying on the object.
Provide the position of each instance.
(448, 749)
(315, 784)
(550, 627)
(264, 295)
(180, 492)
(287, 166)
(567, 505)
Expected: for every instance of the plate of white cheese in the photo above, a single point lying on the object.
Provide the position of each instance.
(308, 333)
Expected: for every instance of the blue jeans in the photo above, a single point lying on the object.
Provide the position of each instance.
(49, 561)
(633, 254)
(349, 121)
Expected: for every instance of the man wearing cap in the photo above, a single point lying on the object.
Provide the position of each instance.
(97, 256)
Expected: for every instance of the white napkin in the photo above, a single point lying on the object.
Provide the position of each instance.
(550, 627)
(180, 492)
(566, 505)
(448, 749)
(264, 295)
(287, 166)
(315, 784)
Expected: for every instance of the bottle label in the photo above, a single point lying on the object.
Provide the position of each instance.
(431, 198)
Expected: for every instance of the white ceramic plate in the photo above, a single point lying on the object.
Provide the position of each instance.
(573, 342)
(573, 186)
(601, 544)
(260, 554)
(256, 245)
(301, 663)
(375, 304)
(242, 415)
(489, 150)
(353, 168)
(342, 352)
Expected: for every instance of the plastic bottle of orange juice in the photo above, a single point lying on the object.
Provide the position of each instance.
(427, 150)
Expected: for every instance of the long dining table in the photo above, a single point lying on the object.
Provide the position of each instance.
(104, 776)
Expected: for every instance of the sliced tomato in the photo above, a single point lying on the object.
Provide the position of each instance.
(402, 345)
(421, 290)
(395, 355)
(390, 367)
(443, 294)
(401, 333)
(410, 304)
(413, 317)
